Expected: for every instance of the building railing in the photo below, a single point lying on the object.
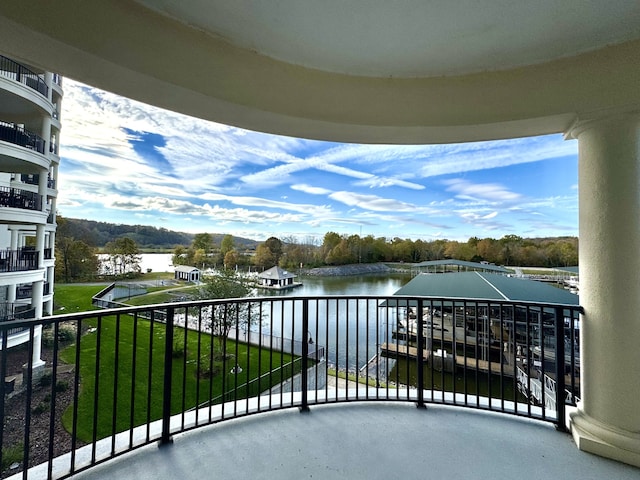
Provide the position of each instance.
(15, 311)
(18, 198)
(23, 291)
(20, 260)
(18, 72)
(30, 178)
(126, 379)
(18, 135)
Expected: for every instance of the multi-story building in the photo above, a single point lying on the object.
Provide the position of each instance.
(30, 101)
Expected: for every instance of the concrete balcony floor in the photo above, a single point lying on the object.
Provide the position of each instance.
(367, 441)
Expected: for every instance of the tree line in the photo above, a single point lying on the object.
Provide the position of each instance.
(76, 251)
(292, 253)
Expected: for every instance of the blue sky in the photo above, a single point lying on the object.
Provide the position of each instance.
(127, 162)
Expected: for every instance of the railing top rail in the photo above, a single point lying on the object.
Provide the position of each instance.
(129, 310)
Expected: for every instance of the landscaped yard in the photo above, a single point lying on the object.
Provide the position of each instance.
(132, 379)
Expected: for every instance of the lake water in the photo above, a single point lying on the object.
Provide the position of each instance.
(342, 327)
(157, 262)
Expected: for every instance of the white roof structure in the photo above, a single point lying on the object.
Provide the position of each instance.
(276, 273)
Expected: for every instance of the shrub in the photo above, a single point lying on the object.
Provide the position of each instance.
(11, 455)
(40, 408)
(62, 386)
(45, 380)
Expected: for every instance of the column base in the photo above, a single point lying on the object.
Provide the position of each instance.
(604, 440)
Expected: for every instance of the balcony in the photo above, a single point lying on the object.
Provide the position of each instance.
(18, 135)
(135, 376)
(20, 260)
(15, 71)
(10, 312)
(24, 291)
(17, 198)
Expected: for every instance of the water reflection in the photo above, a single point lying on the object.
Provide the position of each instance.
(350, 330)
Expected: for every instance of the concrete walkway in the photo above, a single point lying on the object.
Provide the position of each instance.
(368, 441)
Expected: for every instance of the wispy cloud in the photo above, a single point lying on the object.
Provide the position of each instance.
(127, 162)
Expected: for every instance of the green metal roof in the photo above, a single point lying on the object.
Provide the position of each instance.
(486, 286)
(487, 267)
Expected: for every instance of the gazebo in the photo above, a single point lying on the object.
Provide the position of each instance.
(277, 278)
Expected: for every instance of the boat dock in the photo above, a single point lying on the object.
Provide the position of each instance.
(393, 350)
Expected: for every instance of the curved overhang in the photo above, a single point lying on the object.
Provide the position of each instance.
(27, 276)
(21, 101)
(15, 158)
(10, 215)
(157, 56)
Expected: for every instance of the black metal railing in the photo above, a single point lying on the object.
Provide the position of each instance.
(18, 72)
(18, 198)
(18, 260)
(127, 377)
(30, 178)
(18, 135)
(14, 311)
(23, 291)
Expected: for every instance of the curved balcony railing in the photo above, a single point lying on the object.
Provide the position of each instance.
(127, 377)
(14, 311)
(12, 133)
(20, 260)
(18, 72)
(17, 198)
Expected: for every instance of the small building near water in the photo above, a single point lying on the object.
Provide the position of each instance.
(187, 273)
(277, 278)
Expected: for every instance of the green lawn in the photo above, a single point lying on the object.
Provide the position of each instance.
(163, 295)
(139, 393)
(140, 380)
(71, 298)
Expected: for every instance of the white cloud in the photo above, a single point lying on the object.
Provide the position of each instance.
(301, 187)
(493, 192)
(371, 202)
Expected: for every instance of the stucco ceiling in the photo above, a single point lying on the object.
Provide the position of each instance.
(410, 38)
(377, 71)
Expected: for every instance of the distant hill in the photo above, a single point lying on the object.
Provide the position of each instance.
(99, 234)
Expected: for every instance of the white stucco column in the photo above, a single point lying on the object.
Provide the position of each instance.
(607, 421)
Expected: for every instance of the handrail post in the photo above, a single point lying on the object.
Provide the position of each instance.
(305, 354)
(168, 375)
(560, 369)
(420, 338)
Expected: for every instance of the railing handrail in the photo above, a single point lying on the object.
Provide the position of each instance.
(18, 135)
(20, 73)
(19, 198)
(370, 318)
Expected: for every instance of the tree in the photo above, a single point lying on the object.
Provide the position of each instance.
(202, 241)
(78, 261)
(230, 259)
(222, 317)
(226, 245)
(123, 256)
(264, 257)
(179, 255)
(76, 258)
(275, 245)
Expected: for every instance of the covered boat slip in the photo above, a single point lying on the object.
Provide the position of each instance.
(481, 332)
